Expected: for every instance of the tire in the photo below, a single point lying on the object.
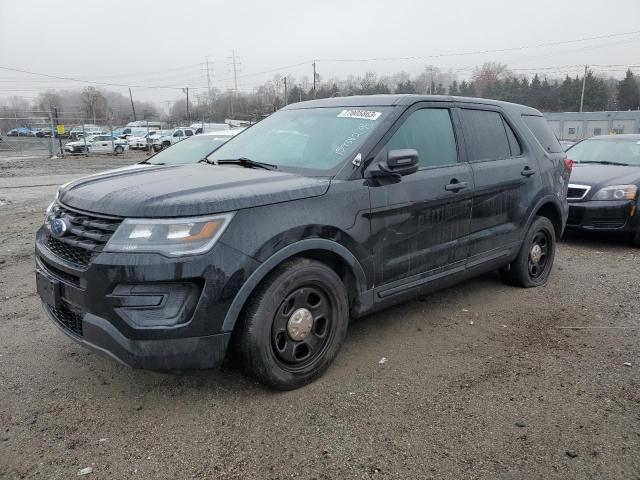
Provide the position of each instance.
(157, 148)
(271, 344)
(635, 240)
(166, 145)
(119, 150)
(539, 243)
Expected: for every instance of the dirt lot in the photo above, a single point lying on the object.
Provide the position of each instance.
(481, 381)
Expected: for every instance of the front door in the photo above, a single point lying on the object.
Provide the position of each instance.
(420, 224)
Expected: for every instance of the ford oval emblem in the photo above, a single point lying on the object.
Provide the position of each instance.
(58, 227)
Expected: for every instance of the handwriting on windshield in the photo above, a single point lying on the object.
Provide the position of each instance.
(363, 129)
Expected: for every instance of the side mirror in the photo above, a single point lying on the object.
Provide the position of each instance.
(397, 164)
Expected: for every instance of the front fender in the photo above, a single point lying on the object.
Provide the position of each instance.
(280, 256)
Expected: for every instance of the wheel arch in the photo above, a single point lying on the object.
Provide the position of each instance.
(548, 207)
(336, 256)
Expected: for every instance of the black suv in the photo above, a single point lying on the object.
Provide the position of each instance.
(325, 210)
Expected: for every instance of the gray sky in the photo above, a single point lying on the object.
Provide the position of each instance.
(164, 43)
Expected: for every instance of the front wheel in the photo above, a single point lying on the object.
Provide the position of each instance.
(294, 325)
(635, 239)
(534, 262)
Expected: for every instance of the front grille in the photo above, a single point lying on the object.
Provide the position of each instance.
(87, 236)
(62, 275)
(68, 317)
(75, 255)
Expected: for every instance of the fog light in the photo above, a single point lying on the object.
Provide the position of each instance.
(156, 304)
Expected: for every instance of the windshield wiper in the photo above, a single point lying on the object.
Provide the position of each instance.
(607, 162)
(245, 162)
(147, 162)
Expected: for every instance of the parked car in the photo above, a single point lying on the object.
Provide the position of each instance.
(566, 144)
(97, 144)
(324, 210)
(18, 132)
(201, 127)
(176, 135)
(194, 149)
(44, 132)
(603, 194)
(88, 130)
(140, 142)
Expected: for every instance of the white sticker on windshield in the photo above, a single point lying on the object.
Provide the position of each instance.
(362, 114)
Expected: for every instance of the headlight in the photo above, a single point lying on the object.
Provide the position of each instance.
(617, 192)
(49, 210)
(172, 237)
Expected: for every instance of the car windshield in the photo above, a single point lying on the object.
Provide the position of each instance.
(317, 139)
(619, 150)
(192, 150)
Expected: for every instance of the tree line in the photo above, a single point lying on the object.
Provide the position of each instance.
(490, 80)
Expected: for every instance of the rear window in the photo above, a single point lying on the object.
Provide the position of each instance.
(540, 129)
(485, 135)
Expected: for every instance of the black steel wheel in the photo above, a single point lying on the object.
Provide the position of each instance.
(294, 325)
(534, 262)
(302, 327)
(538, 254)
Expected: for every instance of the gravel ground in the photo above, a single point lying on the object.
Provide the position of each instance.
(480, 381)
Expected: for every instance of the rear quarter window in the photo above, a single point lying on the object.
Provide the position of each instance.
(540, 129)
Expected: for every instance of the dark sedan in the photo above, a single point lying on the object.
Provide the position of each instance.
(603, 193)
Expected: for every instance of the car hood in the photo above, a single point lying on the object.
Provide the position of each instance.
(598, 175)
(186, 190)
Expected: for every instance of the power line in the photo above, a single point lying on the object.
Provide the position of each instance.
(71, 79)
(479, 52)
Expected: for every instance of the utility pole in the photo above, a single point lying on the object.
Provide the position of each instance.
(286, 98)
(314, 79)
(584, 83)
(429, 78)
(132, 107)
(210, 96)
(234, 63)
(186, 90)
(55, 112)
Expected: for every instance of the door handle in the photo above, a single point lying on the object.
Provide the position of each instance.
(455, 186)
(527, 172)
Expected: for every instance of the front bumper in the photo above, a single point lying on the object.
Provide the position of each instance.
(177, 354)
(144, 310)
(609, 216)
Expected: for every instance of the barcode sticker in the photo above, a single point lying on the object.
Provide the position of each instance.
(362, 114)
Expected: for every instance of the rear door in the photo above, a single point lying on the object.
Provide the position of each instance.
(420, 223)
(505, 184)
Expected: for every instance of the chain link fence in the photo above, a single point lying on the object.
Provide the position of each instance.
(54, 134)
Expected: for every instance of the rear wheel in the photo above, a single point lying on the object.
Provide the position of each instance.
(534, 262)
(119, 149)
(294, 325)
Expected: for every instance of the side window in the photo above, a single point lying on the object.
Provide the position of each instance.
(178, 133)
(516, 149)
(430, 132)
(485, 135)
(188, 133)
(541, 130)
